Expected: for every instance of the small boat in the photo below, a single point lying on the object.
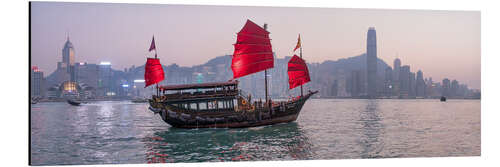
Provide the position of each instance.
(74, 103)
(443, 98)
(222, 104)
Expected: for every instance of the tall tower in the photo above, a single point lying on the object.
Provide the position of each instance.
(68, 58)
(371, 62)
(397, 67)
(395, 77)
(68, 54)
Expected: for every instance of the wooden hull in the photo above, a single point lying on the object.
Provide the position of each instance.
(281, 112)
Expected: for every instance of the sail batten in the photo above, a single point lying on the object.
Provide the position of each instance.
(298, 74)
(252, 51)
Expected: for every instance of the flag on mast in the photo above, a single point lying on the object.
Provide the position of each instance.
(298, 44)
(153, 46)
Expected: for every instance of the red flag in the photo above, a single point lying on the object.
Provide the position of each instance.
(298, 44)
(152, 47)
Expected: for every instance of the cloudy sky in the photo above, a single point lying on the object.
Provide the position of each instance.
(440, 43)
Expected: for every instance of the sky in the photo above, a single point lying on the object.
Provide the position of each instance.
(443, 44)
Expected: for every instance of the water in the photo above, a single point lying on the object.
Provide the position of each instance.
(124, 132)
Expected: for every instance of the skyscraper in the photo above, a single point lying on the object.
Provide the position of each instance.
(371, 62)
(356, 83)
(413, 84)
(396, 85)
(388, 82)
(404, 80)
(454, 88)
(446, 87)
(68, 55)
(36, 82)
(105, 83)
(420, 84)
(397, 67)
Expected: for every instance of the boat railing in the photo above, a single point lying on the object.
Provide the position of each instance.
(187, 95)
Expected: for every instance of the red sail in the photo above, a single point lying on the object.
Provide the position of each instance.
(298, 74)
(252, 51)
(154, 72)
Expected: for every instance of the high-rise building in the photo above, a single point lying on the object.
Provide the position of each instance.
(68, 56)
(36, 82)
(356, 83)
(395, 77)
(454, 88)
(388, 82)
(446, 87)
(413, 84)
(420, 84)
(397, 68)
(371, 62)
(105, 83)
(404, 80)
(335, 88)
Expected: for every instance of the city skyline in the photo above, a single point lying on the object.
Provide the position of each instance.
(101, 42)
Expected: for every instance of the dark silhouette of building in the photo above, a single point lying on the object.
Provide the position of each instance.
(412, 85)
(371, 62)
(356, 83)
(445, 87)
(37, 82)
(395, 78)
(388, 81)
(335, 88)
(420, 84)
(404, 80)
(454, 88)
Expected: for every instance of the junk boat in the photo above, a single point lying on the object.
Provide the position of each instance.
(222, 104)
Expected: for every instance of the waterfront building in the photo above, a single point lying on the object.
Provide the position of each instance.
(412, 85)
(404, 80)
(371, 60)
(335, 88)
(69, 89)
(388, 81)
(105, 83)
(454, 88)
(37, 82)
(356, 83)
(420, 89)
(86, 73)
(395, 78)
(445, 87)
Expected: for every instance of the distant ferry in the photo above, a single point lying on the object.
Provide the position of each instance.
(221, 104)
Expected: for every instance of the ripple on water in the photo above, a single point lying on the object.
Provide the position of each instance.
(124, 132)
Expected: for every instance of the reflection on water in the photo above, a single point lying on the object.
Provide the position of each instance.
(278, 142)
(371, 130)
(125, 132)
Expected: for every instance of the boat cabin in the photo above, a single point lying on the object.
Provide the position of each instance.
(215, 96)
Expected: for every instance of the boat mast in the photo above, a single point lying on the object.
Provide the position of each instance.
(265, 71)
(301, 91)
(156, 57)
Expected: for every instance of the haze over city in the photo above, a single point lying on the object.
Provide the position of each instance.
(440, 43)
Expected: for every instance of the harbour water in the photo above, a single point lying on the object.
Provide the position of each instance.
(123, 132)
